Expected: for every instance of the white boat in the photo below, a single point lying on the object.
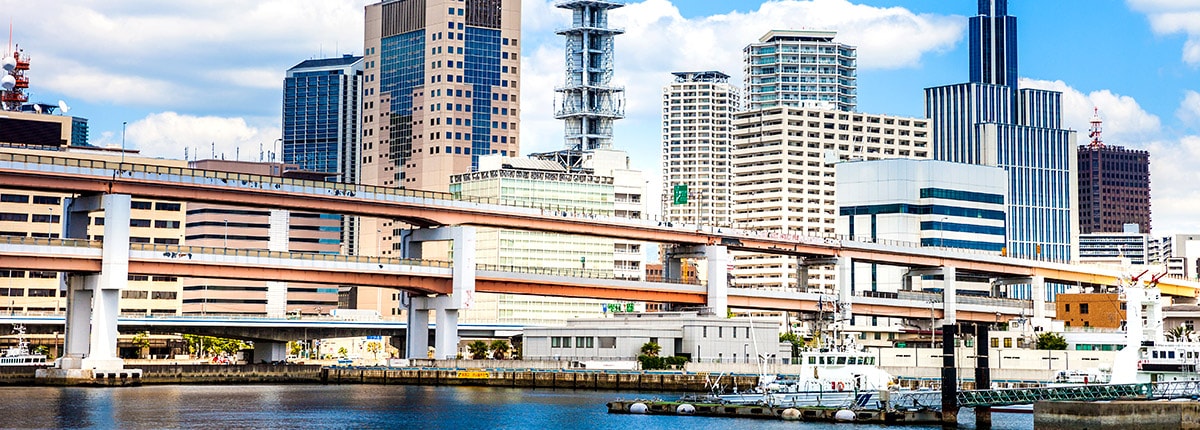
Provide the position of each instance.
(1148, 355)
(19, 355)
(833, 377)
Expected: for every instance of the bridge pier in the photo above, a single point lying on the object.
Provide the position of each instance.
(446, 307)
(717, 284)
(270, 352)
(91, 328)
(983, 375)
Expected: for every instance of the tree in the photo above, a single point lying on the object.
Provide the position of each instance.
(1051, 341)
(794, 340)
(1179, 334)
(651, 349)
(499, 348)
(142, 342)
(295, 348)
(478, 349)
(374, 347)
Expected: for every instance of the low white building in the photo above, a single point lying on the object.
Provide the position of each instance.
(686, 334)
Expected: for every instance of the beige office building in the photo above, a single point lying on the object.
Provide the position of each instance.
(234, 227)
(36, 214)
(783, 169)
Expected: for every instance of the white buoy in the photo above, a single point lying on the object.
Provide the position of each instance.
(844, 415)
(790, 414)
(638, 408)
(685, 409)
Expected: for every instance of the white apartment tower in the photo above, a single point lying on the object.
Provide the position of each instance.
(783, 170)
(801, 68)
(697, 118)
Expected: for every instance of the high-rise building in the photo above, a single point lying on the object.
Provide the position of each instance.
(440, 90)
(1114, 185)
(588, 103)
(322, 117)
(1130, 246)
(991, 122)
(801, 68)
(993, 44)
(783, 178)
(697, 119)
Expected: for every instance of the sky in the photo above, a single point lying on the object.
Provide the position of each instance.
(206, 77)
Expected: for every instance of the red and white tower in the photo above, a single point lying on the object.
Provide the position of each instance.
(1094, 132)
(14, 82)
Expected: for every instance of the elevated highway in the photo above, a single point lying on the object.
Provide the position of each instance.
(428, 209)
(433, 277)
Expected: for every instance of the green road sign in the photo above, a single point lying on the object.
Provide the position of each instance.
(679, 197)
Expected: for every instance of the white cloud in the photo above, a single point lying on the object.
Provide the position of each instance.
(1125, 122)
(166, 135)
(1189, 109)
(1174, 16)
(165, 55)
(1174, 200)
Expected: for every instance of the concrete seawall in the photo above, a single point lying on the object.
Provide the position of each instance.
(529, 378)
(1123, 415)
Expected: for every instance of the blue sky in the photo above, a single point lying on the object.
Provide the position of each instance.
(200, 74)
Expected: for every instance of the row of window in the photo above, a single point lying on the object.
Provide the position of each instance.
(605, 342)
(37, 200)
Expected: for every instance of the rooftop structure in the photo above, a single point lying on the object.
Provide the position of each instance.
(588, 102)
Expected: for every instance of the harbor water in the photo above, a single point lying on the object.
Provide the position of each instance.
(364, 406)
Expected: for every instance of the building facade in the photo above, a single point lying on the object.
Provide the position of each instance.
(322, 116)
(697, 119)
(801, 68)
(680, 334)
(1114, 186)
(784, 178)
(242, 228)
(1129, 247)
(25, 214)
(547, 184)
(440, 90)
(989, 121)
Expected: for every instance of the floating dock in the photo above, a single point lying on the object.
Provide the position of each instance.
(814, 413)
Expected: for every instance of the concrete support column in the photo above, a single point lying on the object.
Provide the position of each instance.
(79, 318)
(672, 267)
(270, 351)
(949, 295)
(845, 287)
(718, 279)
(417, 335)
(1037, 292)
(801, 275)
(462, 295)
(114, 275)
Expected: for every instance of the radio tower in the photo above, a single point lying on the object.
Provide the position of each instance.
(1094, 132)
(588, 103)
(13, 83)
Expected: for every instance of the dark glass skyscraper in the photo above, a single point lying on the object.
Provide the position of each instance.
(322, 113)
(994, 44)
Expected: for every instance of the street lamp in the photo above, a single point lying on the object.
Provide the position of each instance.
(932, 326)
(122, 141)
(225, 242)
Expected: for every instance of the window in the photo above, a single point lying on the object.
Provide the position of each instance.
(1068, 307)
(14, 198)
(163, 295)
(1083, 308)
(608, 342)
(584, 342)
(1008, 342)
(560, 342)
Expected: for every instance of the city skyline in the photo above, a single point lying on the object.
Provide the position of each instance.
(204, 76)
